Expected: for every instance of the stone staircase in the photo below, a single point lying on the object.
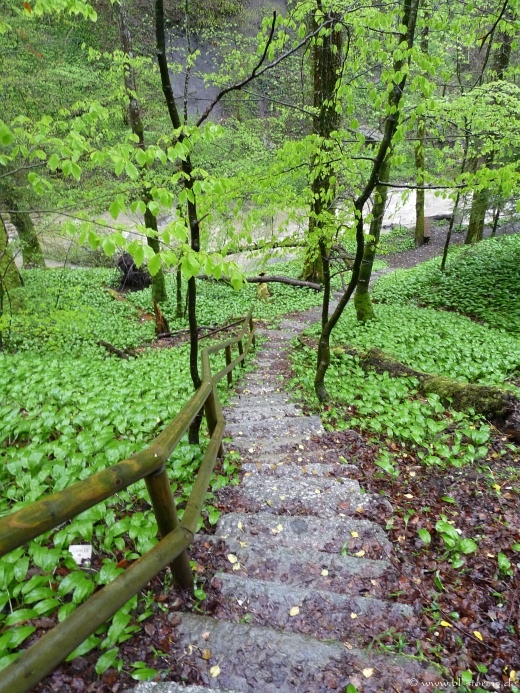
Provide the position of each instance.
(305, 587)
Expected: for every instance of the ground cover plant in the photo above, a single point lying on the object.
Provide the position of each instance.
(481, 281)
(451, 478)
(69, 409)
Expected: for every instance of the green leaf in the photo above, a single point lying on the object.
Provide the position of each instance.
(154, 264)
(6, 136)
(467, 546)
(131, 171)
(503, 562)
(106, 661)
(114, 209)
(143, 674)
(351, 688)
(19, 616)
(424, 535)
(89, 644)
(465, 677)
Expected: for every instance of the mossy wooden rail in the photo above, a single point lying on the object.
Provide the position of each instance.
(43, 657)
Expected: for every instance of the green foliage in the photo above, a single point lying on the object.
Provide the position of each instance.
(69, 311)
(391, 408)
(482, 281)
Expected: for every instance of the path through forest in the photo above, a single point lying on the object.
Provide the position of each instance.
(305, 565)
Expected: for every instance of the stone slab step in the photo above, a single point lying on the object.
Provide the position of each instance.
(171, 687)
(296, 471)
(256, 659)
(322, 614)
(275, 428)
(278, 399)
(306, 533)
(307, 568)
(261, 412)
(250, 448)
(320, 496)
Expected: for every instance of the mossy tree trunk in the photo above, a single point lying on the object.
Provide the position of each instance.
(21, 219)
(362, 301)
(327, 59)
(9, 275)
(479, 207)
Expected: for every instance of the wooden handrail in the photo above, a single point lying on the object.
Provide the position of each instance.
(21, 526)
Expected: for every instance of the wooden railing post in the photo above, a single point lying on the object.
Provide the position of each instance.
(228, 361)
(240, 347)
(213, 414)
(251, 328)
(163, 504)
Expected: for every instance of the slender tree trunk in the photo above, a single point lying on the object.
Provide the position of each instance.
(420, 165)
(134, 116)
(29, 242)
(409, 19)
(362, 302)
(193, 220)
(496, 217)
(420, 193)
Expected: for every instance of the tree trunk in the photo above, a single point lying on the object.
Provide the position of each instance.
(477, 215)
(409, 19)
(481, 198)
(158, 283)
(420, 227)
(362, 302)
(326, 59)
(29, 243)
(419, 199)
(193, 220)
(9, 276)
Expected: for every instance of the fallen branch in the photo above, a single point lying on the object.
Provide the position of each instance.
(264, 280)
(500, 407)
(114, 350)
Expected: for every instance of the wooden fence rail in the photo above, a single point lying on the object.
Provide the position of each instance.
(19, 527)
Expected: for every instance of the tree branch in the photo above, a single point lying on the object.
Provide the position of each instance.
(257, 72)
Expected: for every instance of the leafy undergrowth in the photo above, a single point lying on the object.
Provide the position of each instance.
(482, 281)
(452, 480)
(70, 310)
(68, 410)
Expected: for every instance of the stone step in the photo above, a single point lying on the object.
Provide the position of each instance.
(250, 448)
(307, 533)
(296, 471)
(172, 687)
(308, 568)
(260, 413)
(320, 496)
(257, 659)
(286, 426)
(278, 399)
(322, 614)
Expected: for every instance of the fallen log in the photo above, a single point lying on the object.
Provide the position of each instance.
(499, 407)
(275, 278)
(123, 354)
